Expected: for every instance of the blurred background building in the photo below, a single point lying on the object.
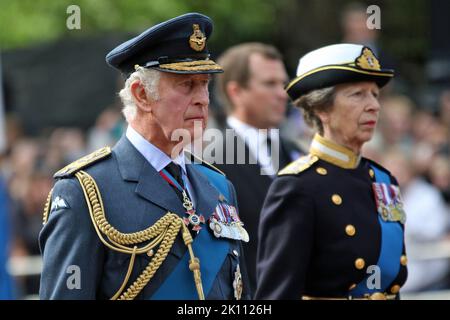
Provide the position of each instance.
(58, 101)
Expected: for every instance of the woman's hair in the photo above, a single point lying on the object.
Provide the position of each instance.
(314, 101)
(150, 79)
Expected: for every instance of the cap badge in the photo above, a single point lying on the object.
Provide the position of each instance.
(197, 40)
(368, 61)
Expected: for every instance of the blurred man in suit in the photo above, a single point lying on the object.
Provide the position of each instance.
(252, 88)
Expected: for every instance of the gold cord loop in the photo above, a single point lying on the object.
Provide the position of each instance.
(127, 276)
(162, 233)
(194, 263)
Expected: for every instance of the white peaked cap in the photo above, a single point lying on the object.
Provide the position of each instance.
(335, 64)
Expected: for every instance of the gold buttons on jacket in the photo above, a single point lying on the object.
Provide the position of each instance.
(403, 260)
(377, 296)
(350, 230)
(371, 173)
(150, 253)
(395, 289)
(360, 263)
(322, 171)
(337, 200)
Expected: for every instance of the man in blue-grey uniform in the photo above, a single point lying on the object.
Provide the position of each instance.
(144, 220)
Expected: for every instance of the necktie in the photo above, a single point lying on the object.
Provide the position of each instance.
(175, 171)
(269, 146)
(193, 219)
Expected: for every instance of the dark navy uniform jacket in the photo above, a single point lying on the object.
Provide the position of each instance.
(135, 196)
(320, 232)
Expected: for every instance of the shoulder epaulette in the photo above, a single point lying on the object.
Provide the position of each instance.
(379, 166)
(299, 165)
(83, 162)
(196, 159)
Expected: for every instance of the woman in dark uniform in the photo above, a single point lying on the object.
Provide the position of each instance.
(332, 223)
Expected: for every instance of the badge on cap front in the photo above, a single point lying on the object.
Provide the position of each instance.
(197, 40)
(367, 60)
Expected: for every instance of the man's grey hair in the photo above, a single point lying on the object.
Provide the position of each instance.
(150, 79)
(314, 101)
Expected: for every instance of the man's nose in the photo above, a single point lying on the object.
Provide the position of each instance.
(202, 96)
(281, 92)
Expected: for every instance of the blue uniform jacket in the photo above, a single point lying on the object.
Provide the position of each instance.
(135, 196)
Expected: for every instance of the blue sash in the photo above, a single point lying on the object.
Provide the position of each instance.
(210, 251)
(391, 248)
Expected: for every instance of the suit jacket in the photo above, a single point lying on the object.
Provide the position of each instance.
(251, 188)
(135, 196)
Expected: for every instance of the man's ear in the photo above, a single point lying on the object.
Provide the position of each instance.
(233, 90)
(323, 116)
(139, 94)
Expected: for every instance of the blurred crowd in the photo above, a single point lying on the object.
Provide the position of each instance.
(414, 144)
(27, 168)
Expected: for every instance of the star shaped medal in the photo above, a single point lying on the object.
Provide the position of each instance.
(193, 218)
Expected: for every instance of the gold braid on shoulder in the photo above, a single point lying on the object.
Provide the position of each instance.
(47, 207)
(162, 233)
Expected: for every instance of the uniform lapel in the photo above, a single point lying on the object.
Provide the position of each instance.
(150, 185)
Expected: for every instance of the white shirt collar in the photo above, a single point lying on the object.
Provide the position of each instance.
(244, 130)
(256, 141)
(157, 158)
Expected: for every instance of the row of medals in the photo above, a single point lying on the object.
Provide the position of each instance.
(233, 230)
(221, 229)
(390, 208)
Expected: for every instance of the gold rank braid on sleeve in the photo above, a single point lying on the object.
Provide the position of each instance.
(163, 234)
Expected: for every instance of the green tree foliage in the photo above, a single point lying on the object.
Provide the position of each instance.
(294, 26)
(25, 22)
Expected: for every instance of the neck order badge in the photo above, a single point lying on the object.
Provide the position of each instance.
(193, 218)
